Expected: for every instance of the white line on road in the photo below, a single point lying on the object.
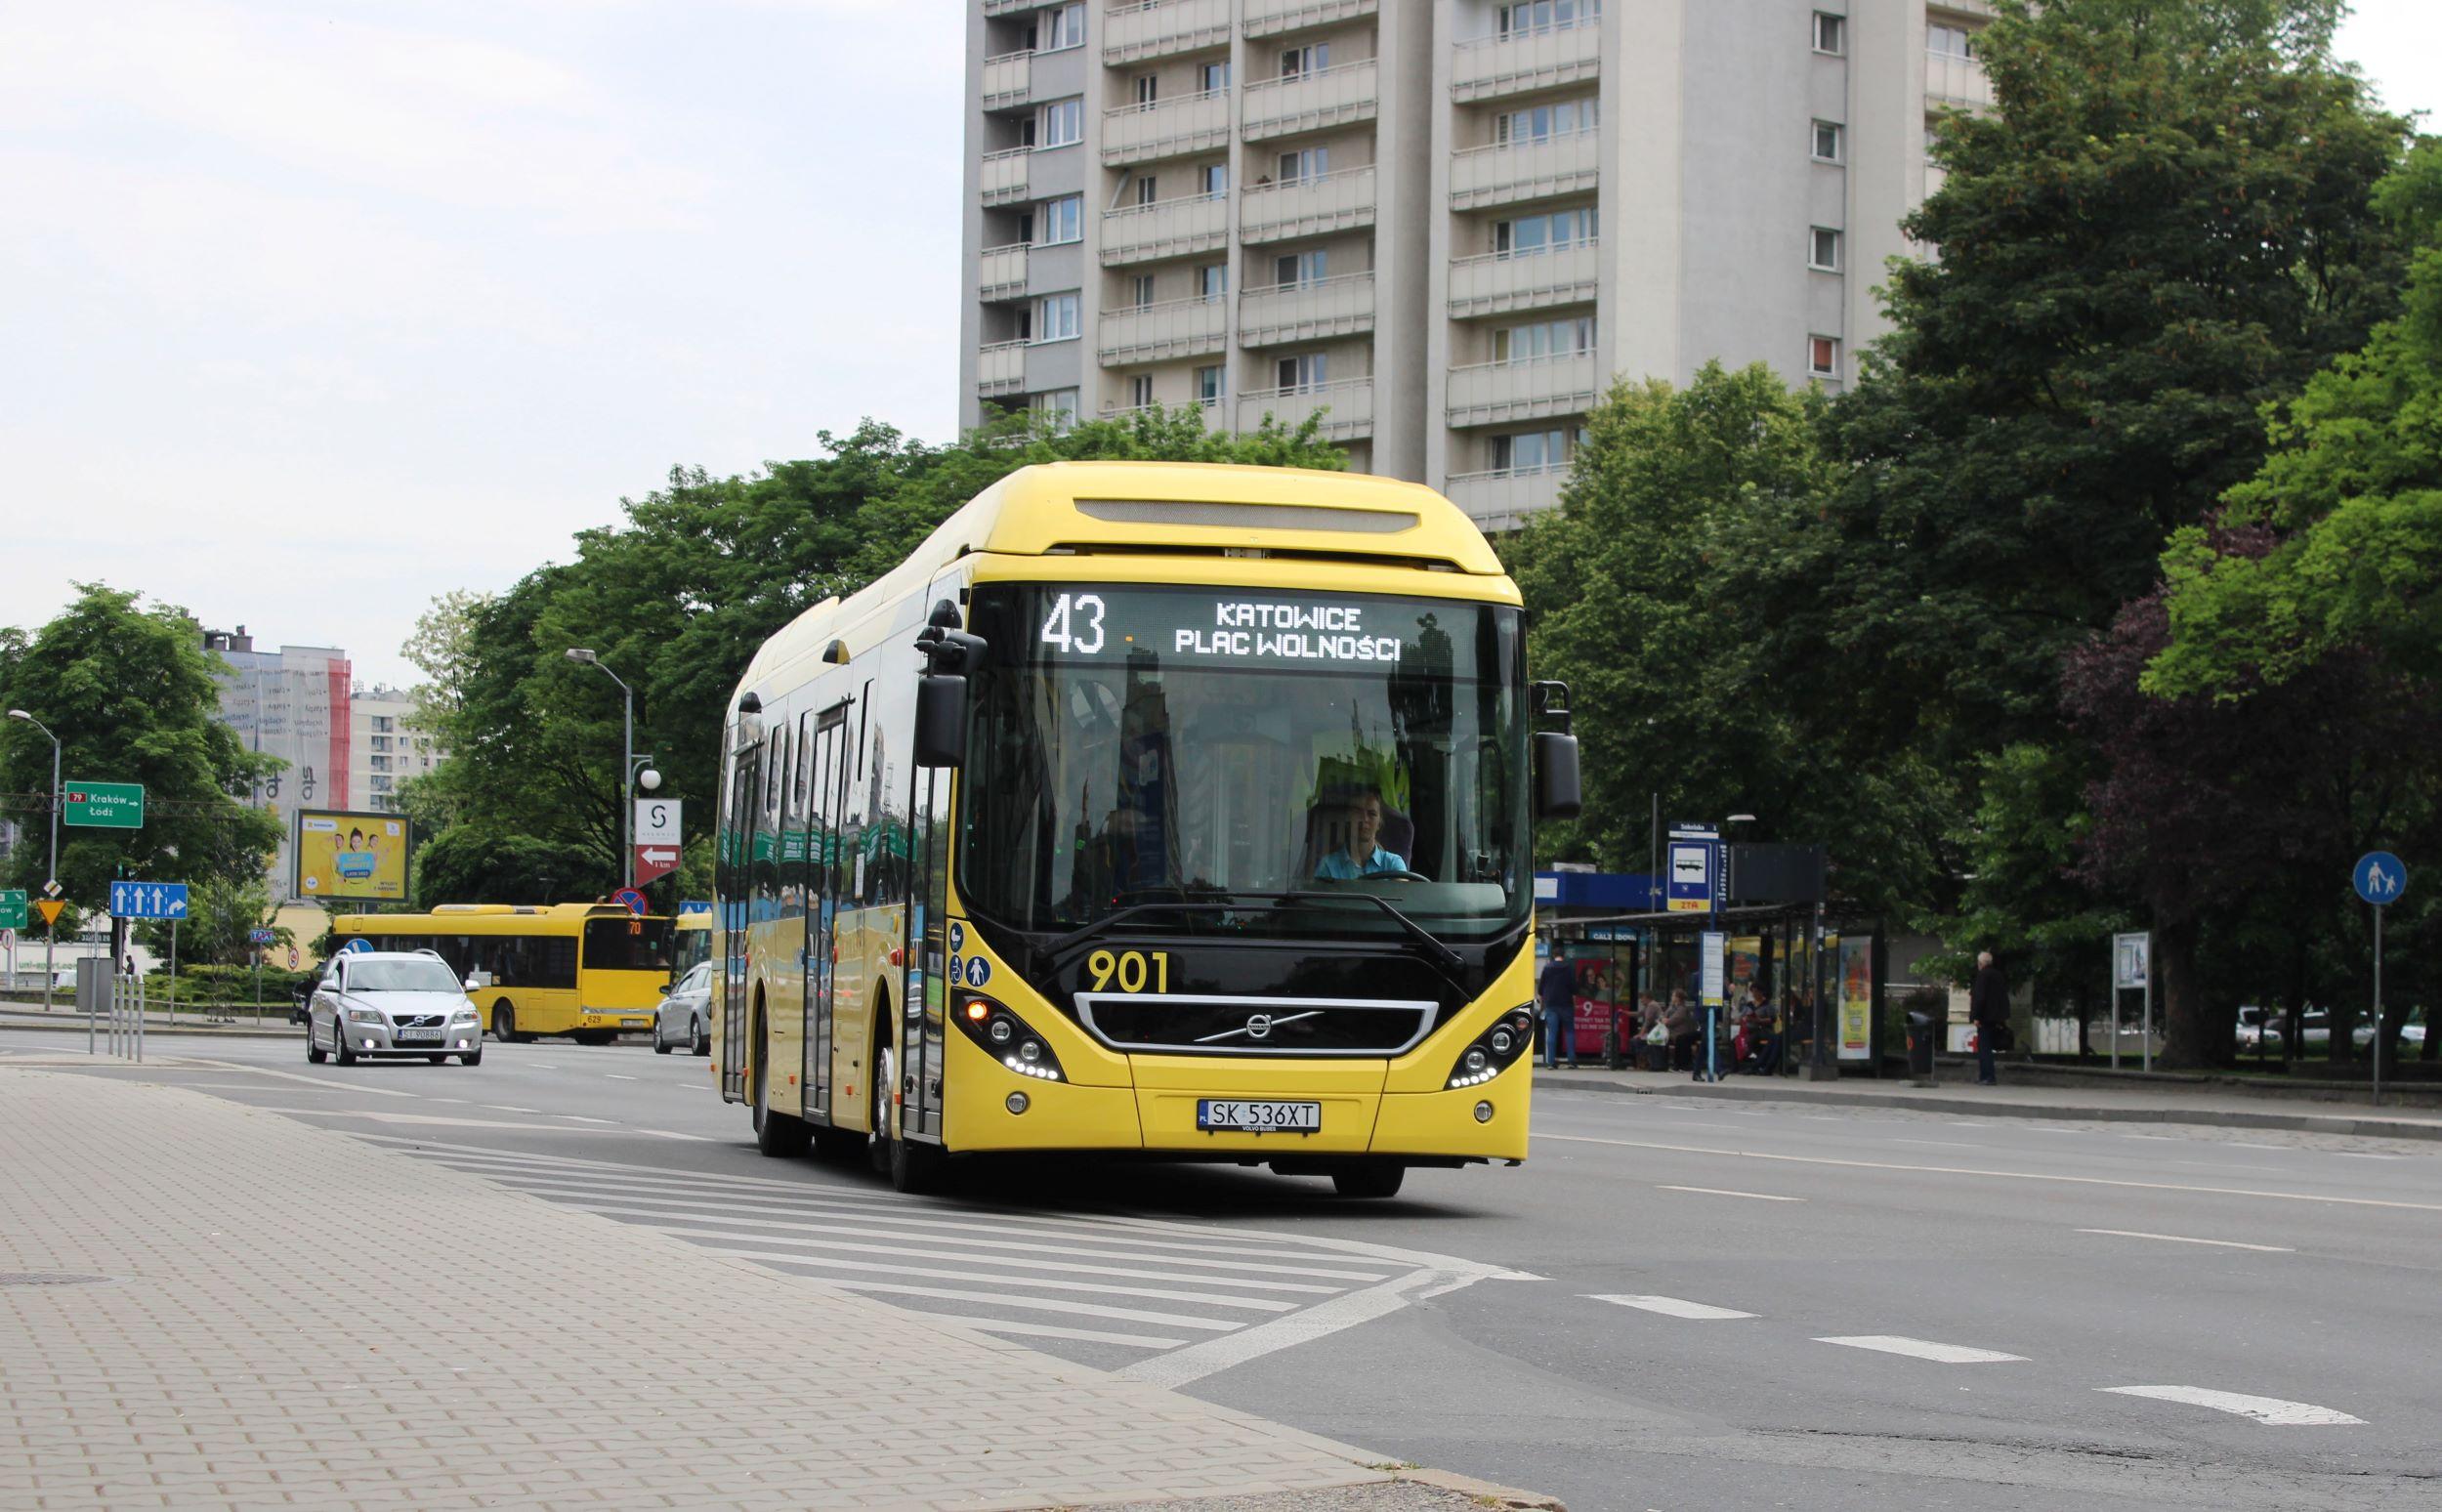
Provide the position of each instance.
(2265, 1409)
(2181, 1239)
(2363, 1155)
(2240, 1144)
(370, 1115)
(969, 1274)
(1049, 1332)
(2160, 1139)
(1760, 1196)
(505, 1108)
(1671, 1307)
(331, 1084)
(1345, 1310)
(1970, 1170)
(1923, 1349)
(616, 1076)
(581, 1119)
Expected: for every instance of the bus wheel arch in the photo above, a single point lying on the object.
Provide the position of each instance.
(911, 1166)
(777, 1134)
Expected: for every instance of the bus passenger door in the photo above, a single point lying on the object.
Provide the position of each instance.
(824, 873)
(733, 848)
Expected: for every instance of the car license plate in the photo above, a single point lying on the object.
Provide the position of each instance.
(636, 1023)
(418, 1037)
(1259, 1118)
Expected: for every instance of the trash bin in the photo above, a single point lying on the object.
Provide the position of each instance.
(1922, 1028)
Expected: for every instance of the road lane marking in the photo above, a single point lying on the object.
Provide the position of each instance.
(2364, 1155)
(1345, 1310)
(505, 1108)
(330, 1083)
(1040, 1305)
(2240, 1144)
(2181, 1239)
(616, 1076)
(2265, 1409)
(370, 1115)
(1970, 1170)
(1760, 1196)
(581, 1119)
(1671, 1307)
(892, 1267)
(1051, 1331)
(1923, 1349)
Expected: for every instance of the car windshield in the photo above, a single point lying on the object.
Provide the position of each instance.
(1211, 746)
(422, 974)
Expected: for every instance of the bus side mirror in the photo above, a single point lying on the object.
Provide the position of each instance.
(1556, 794)
(941, 733)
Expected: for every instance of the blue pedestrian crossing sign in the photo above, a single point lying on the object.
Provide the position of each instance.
(2380, 878)
(147, 900)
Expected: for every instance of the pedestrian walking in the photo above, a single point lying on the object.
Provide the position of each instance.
(1988, 1006)
(1556, 988)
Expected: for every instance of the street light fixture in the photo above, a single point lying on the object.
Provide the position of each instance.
(634, 770)
(51, 931)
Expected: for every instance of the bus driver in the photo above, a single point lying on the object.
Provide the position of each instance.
(1363, 814)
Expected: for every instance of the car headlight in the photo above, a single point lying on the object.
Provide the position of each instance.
(1495, 1049)
(463, 1016)
(364, 1015)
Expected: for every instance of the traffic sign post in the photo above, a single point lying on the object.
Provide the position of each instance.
(2381, 880)
(147, 900)
(104, 804)
(656, 851)
(12, 909)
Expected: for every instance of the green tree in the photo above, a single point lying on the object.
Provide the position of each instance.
(222, 915)
(130, 694)
(464, 865)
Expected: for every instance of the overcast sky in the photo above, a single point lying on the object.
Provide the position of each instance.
(314, 310)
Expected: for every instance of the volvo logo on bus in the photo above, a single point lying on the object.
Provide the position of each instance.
(1259, 1027)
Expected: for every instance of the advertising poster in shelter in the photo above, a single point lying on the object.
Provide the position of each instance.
(1747, 964)
(351, 856)
(1855, 990)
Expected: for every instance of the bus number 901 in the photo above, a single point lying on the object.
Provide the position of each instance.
(1130, 969)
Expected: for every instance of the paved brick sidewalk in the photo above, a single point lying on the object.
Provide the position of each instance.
(294, 1318)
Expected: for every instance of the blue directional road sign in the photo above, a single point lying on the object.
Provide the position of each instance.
(147, 900)
(261, 937)
(358, 947)
(2380, 878)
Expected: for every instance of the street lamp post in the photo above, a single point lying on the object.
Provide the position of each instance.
(634, 770)
(51, 930)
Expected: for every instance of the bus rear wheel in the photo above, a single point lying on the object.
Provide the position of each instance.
(778, 1135)
(1369, 1178)
(504, 1023)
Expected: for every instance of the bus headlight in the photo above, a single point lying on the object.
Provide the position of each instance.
(1007, 1038)
(1495, 1049)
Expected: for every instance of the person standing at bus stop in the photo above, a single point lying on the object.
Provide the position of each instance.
(1988, 1007)
(1556, 988)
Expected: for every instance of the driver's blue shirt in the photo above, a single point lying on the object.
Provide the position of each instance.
(1340, 866)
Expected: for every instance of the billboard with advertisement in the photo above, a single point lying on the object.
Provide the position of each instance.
(1854, 992)
(355, 857)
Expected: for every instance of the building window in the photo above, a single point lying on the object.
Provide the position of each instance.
(1213, 282)
(378, 762)
(1305, 165)
(381, 785)
(1828, 142)
(381, 742)
(1305, 371)
(1830, 34)
(1533, 343)
(1823, 249)
(1529, 236)
(1823, 357)
(1214, 77)
(1209, 386)
(1062, 220)
(1529, 15)
(1301, 269)
(1141, 291)
(1141, 391)
(1147, 90)
(1148, 190)
(1063, 124)
(1529, 452)
(1055, 317)
(381, 724)
(1215, 178)
(1059, 403)
(1944, 41)
(1063, 28)
(1541, 123)
(1298, 61)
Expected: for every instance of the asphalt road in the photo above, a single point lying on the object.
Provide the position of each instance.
(1670, 1306)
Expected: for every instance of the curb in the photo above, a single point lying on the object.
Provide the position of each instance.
(1483, 1493)
(70, 1023)
(2071, 1113)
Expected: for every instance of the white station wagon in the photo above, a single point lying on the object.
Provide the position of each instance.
(389, 1004)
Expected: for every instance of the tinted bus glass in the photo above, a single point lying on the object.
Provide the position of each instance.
(627, 944)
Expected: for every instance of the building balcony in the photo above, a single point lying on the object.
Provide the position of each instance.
(1514, 172)
(1498, 393)
(1503, 500)
(1265, 17)
(1305, 311)
(1503, 281)
(1134, 31)
(1005, 176)
(1167, 128)
(1307, 207)
(1167, 227)
(1011, 7)
(1008, 80)
(1000, 272)
(1311, 102)
(1347, 408)
(1154, 333)
(1487, 67)
(1960, 83)
(1001, 369)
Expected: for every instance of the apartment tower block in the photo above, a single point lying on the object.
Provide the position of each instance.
(1447, 225)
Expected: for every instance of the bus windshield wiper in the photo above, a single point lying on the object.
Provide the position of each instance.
(1448, 961)
(1436, 949)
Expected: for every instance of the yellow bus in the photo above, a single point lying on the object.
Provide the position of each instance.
(691, 937)
(1171, 809)
(585, 970)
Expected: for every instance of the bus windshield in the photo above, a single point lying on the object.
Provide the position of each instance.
(627, 944)
(1211, 749)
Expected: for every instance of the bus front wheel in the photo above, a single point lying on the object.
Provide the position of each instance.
(778, 1134)
(913, 1167)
